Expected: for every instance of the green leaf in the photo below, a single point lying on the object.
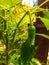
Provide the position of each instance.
(2, 12)
(35, 62)
(1, 50)
(46, 14)
(45, 21)
(9, 2)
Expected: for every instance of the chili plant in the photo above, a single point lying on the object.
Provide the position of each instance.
(17, 32)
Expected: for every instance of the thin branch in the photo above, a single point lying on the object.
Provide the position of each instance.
(18, 25)
(43, 35)
(40, 5)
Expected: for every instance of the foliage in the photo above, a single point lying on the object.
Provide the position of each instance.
(46, 22)
(17, 39)
(9, 3)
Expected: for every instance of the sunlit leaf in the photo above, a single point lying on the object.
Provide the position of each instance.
(35, 62)
(46, 14)
(9, 2)
(46, 22)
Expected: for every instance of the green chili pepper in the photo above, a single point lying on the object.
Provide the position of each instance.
(27, 49)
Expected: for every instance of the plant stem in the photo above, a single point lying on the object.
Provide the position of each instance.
(30, 18)
(43, 35)
(6, 38)
(6, 50)
(5, 31)
(22, 18)
(18, 25)
(40, 6)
